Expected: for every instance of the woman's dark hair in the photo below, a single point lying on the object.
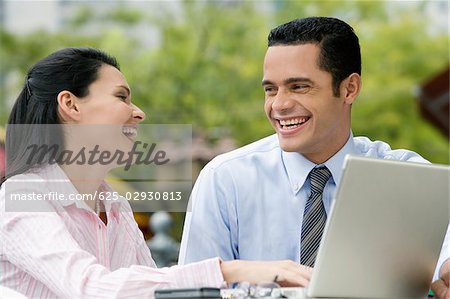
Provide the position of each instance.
(340, 54)
(34, 117)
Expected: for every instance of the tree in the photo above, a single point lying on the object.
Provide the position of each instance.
(204, 65)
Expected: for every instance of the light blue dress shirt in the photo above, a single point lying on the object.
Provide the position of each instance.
(248, 204)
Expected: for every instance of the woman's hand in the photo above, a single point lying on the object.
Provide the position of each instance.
(287, 273)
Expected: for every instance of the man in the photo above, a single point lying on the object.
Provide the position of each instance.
(269, 200)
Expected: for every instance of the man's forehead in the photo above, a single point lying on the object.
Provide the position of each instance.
(286, 59)
(285, 51)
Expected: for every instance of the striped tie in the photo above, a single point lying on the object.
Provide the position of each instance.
(314, 217)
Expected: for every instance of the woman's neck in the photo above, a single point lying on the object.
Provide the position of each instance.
(86, 179)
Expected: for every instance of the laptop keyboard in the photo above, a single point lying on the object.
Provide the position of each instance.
(293, 293)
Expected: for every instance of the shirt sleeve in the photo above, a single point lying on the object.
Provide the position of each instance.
(210, 220)
(40, 244)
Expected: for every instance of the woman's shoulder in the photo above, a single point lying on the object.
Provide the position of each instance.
(30, 180)
(37, 174)
(25, 192)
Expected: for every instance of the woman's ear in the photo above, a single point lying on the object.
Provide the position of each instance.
(68, 109)
(351, 88)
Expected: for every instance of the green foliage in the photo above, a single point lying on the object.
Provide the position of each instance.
(204, 62)
(81, 17)
(397, 58)
(124, 16)
(209, 70)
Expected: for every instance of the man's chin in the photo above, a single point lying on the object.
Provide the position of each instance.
(289, 146)
(288, 143)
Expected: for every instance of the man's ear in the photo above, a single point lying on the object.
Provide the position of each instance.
(68, 109)
(350, 88)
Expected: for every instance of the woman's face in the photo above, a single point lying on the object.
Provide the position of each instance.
(107, 116)
(109, 101)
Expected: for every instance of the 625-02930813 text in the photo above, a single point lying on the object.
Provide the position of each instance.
(157, 195)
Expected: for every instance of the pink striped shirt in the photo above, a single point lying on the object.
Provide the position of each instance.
(70, 253)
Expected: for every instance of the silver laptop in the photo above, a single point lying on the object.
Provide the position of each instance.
(384, 232)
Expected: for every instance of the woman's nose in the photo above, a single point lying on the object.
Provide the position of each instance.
(138, 114)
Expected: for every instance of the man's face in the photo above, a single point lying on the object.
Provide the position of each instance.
(300, 104)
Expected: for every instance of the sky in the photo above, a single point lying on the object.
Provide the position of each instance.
(22, 17)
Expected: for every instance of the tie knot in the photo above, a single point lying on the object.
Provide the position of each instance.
(319, 177)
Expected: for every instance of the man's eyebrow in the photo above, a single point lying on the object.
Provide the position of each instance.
(298, 79)
(289, 81)
(126, 88)
(266, 82)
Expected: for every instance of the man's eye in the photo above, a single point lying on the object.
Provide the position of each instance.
(300, 87)
(122, 97)
(269, 90)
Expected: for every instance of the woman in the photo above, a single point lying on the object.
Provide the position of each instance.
(72, 250)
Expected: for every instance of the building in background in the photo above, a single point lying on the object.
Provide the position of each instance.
(434, 101)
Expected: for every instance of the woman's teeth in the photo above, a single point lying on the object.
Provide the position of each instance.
(129, 131)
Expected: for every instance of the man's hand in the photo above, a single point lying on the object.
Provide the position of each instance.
(287, 273)
(441, 287)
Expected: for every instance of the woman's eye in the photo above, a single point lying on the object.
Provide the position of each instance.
(122, 97)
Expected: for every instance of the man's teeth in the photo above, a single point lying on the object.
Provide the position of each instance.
(293, 123)
(129, 131)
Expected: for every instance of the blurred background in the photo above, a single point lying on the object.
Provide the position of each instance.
(200, 63)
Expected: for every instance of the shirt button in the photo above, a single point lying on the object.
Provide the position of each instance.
(295, 186)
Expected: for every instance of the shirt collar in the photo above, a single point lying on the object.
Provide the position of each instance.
(335, 164)
(298, 167)
(58, 181)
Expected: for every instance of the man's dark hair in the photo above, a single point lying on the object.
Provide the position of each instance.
(340, 53)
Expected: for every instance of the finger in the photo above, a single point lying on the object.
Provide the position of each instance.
(298, 269)
(306, 271)
(440, 289)
(294, 274)
(446, 281)
(446, 278)
(293, 280)
(306, 274)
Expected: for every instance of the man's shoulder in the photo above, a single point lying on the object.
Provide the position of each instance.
(258, 150)
(380, 149)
